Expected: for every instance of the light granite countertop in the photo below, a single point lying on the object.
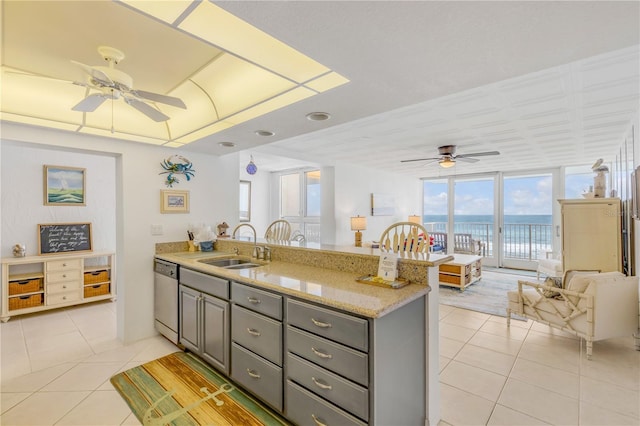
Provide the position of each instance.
(325, 286)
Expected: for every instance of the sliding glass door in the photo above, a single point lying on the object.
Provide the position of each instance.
(527, 219)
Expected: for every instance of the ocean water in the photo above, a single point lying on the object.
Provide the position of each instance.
(521, 234)
(538, 219)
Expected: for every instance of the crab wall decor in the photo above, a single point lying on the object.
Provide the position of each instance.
(176, 165)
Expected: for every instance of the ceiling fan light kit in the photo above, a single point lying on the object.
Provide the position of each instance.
(446, 163)
(448, 157)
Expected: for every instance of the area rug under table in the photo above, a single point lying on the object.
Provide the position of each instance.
(179, 389)
(488, 295)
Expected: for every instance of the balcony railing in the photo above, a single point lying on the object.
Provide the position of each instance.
(522, 241)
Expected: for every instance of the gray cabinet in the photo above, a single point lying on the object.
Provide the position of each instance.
(346, 370)
(204, 319)
(315, 364)
(256, 333)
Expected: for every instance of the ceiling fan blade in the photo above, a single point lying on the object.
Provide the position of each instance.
(156, 97)
(467, 159)
(147, 110)
(90, 103)
(479, 154)
(96, 74)
(418, 159)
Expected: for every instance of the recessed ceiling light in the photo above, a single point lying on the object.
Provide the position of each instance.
(264, 133)
(318, 116)
(227, 144)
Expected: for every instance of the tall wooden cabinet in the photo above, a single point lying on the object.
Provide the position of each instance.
(591, 234)
(36, 283)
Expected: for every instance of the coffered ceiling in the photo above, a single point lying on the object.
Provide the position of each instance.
(545, 83)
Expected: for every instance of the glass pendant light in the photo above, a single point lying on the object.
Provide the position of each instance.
(251, 167)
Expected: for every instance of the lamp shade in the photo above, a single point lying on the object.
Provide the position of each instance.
(358, 223)
(414, 218)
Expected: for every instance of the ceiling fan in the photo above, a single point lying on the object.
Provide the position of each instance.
(112, 83)
(448, 158)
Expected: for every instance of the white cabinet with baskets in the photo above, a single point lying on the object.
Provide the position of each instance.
(35, 283)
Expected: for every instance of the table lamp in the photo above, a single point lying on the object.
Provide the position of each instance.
(358, 223)
(414, 218)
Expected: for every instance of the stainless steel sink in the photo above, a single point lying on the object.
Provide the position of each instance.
(243, 266)
(233, 263)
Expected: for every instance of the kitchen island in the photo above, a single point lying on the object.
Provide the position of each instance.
(311, 341)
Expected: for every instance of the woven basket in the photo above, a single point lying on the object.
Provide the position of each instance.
(22, 302)
(96, 290)
(25, 286)
(96, 277)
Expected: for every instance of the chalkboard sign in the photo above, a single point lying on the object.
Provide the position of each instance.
(56, 238)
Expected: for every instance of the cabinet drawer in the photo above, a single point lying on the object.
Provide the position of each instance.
(205, 283)
(257, 375)
(58, 298)
(456, 269)
(266, 303)
(334, 325)
(343, 393)
(70, 275)
(455, 279)
(340, 359)
(63, 287)
(64, 265)
(257, 333)
(306, 409)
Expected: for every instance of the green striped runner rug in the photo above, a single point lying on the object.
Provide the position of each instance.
(180, 389)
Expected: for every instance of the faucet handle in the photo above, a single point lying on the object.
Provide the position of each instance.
(267, 253)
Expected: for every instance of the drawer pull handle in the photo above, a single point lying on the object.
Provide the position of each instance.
(253, 300)
(253, 332)
(320, 323)
(318, 420)
(253, 373)
(64, 286)
(321, 384)
(64, 297)
(321, 354)
(64, 264)
(64, 275)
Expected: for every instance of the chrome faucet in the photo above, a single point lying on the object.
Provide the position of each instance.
(258, 252)
(233, 234)
(267, 253)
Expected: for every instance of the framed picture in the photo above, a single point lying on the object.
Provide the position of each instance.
(174, 201)
(245, 201)
(382, 205)
(64, 186)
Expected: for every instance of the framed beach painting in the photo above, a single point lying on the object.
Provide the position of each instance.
(64, 186)
(174, 201)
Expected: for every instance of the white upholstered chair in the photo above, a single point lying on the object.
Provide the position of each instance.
(550, 266)
(406, 237)
(594, 306)
(278, 230)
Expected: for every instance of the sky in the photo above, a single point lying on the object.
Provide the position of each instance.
(530, 195)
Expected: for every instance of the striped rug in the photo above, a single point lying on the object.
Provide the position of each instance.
(179, 389)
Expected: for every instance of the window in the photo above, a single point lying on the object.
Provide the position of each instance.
(300, 195)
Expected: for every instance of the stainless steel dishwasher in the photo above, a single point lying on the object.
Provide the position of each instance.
(165, 299)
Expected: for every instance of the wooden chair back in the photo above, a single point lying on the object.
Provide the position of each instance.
(279, 230)
(407, 237)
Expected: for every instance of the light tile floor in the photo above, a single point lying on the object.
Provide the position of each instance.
(55, 370)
